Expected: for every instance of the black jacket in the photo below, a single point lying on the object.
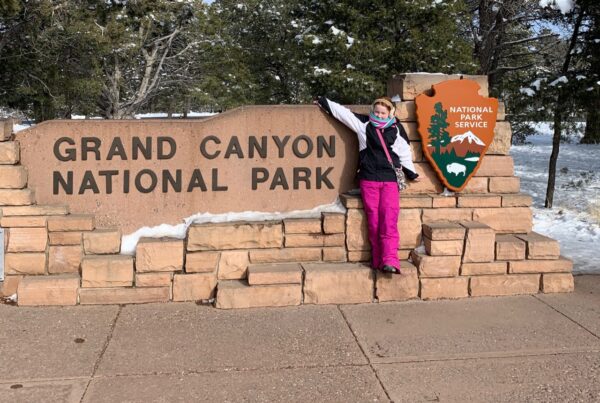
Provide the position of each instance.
(373, 163)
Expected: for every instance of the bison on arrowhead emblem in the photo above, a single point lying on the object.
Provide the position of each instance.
(456, 125)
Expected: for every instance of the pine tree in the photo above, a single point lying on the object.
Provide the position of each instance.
(438, 136)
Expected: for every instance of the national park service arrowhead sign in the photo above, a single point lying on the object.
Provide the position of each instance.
(456, 125)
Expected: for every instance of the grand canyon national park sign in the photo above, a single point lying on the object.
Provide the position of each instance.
(135, 173)
(456, 125)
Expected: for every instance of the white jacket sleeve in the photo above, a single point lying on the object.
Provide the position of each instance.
(402, 149)
(347, 117)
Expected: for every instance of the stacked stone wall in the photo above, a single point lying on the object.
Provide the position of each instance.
(478, 242)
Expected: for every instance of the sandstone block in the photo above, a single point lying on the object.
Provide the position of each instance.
(417, 150)
(409, 85)
(233, 265)
(393, 287)
(9, 152)
(334, 223)
(9, 286)
(25, 263)
(13, 177)
(480, 269)
(23, 221)
(302, 226)
(516, 200)
(404, 254)
(482, 80)
(476, 185)
(540, 246)
(436, 266)
(502, 138)
(333, 240)
(428, 181)
(496, 165)
(504, 285)
(406, 111)
(334, 254)
(351, 201)
(444, 288)
(509, 247)
(480, 201)
(159, 254)
(415, 201)
(102, 241)
(447, 214)
(285, 255)
(501, 184)
(505, 220)
(27, 240)
(34, 210)
(337, 283)
(303, 240)
(194, 287)
(64, 259)
(444, 231)
(142, 295)
(365, 255)
(443, 201)
(48, 290)
(16, 197)
(557, 282)
(201, 262)
(411, 130)
(224, 236)
(71, 222)
(560, 265)
(409, 227)
(65, 238)
(501, 111)
(359, 256)
(443, 248)
(107, 271)
(264, 274)
(236, 294)
(6, 128)
(480, 242)
(162, 279)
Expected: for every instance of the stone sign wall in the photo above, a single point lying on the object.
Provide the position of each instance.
(135, 173)
(62, 247)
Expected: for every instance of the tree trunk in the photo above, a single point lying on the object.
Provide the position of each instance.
(558, 108)
(592, 122)
(555, 150)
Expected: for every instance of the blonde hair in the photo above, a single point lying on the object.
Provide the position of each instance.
(385, 101)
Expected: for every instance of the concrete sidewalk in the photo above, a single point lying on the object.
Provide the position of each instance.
(526, 348)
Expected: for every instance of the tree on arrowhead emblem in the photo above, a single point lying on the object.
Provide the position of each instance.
(438, 136)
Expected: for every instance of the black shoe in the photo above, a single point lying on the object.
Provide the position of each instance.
(390, 269)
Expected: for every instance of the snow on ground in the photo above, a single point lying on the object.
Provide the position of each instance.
(574, 219)
(157, 115)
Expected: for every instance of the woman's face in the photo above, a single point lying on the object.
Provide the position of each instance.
(381, 111)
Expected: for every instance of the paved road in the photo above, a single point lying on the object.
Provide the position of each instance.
(527, 348)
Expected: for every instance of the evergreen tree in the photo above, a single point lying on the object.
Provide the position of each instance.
(438, 135)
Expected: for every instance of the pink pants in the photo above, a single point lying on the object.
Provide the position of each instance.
(382, 206)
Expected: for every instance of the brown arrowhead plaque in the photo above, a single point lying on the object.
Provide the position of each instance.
(456, 125)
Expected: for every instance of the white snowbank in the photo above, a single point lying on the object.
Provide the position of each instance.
(574, 219)
(129, 242)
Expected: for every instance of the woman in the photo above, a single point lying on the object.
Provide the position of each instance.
(378, 186)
